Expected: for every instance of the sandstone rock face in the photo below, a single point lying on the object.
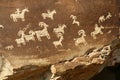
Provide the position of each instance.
(68, 34)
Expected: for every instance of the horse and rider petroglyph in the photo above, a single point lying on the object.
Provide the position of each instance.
(19, 14)
(81, 39)
(59, 29)
(49, 14)
(98, 30)
(74, 20)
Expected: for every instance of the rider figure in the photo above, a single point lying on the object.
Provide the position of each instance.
(17, 11)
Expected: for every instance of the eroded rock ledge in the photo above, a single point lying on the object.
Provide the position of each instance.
(80, 67)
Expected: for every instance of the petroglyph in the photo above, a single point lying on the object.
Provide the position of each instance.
(19, 14)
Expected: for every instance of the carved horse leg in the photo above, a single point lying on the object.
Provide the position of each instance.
(39, 38)
(15, 19)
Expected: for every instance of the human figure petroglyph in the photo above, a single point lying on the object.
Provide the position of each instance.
(98, 30)
(19, 14)
(17, 11)
(108, 16)
(81, 39)
(74, 20)
(60, 29)
(10, 47)
(49, 14)
(101, 19)
(58, 43)
(1, 27)
(42, 33)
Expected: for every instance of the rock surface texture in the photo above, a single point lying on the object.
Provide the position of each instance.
(57, 39)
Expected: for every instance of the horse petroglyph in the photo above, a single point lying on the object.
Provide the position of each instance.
(58, 43)
(81, 39)
(98, 30)
(19, 14)
(74, 20)
(59, 29)
(49, 14)
(30, 37)
(10, 47)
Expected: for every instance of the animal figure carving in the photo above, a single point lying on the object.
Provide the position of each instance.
(58, 43)
(109, 15)
(101, 19)
(60, 29)
(30, 37)
(74, 20)
(43, 24)
(42, 33)
(98, 30)
(49, 14)
(19, 14)
(9, 47)
(81, 39)
(20, 41)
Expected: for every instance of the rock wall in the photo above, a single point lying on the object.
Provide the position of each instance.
(45, 32)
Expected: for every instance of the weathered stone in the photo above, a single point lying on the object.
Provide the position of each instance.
(35, 34)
